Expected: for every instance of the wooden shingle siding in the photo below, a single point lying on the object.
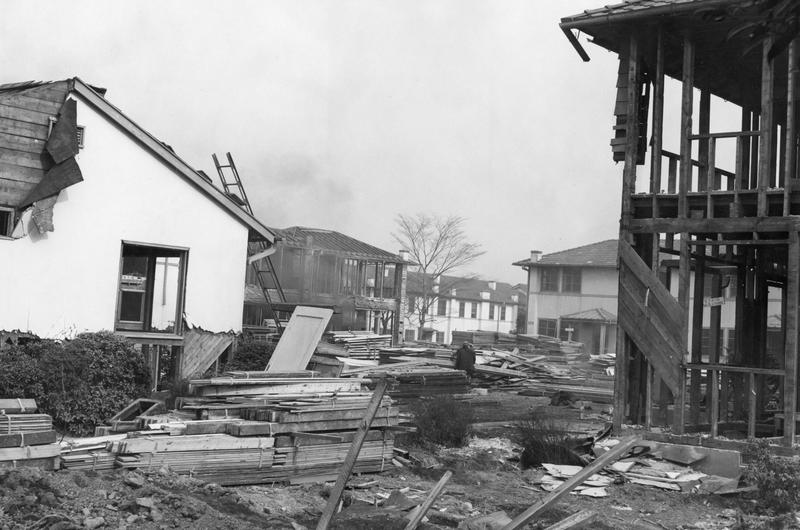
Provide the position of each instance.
(21, 158)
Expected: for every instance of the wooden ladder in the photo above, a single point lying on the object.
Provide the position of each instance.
(263, 268)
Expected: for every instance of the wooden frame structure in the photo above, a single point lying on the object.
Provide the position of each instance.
(731, 221)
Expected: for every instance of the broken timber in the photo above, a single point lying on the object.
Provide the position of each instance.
(624, 445)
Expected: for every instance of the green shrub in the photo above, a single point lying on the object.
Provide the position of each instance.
(777, 478)
(250, 356)
(443, 420)
(81, 383)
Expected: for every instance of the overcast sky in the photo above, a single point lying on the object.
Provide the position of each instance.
(342, 114)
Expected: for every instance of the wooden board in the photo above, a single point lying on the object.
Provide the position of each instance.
(201, 349)
(201, 442)
(30, 452)
(32, 438)
(17, 406)
(299, 339)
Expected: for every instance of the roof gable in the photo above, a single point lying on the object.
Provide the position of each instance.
(330, 240)
(600, 254)
(25, 115)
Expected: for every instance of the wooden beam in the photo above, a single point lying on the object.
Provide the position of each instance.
(432, 496)
(658, 121)
(791, 328)
(624, 445)
(631, 134)
(686, 127)
(352, 455)
(703, 125)
(576, 520)
(790, 146)
(719, 225)
(765, 162)
(697, 335)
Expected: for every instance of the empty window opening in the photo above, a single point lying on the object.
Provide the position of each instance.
(151, 287)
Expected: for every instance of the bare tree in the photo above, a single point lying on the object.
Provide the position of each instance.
(437, 246)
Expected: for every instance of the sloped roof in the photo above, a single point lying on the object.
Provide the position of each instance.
(632, 8)
(600, 254)
(598, 314)
(37, 99)
(330, 240)
(731, 67)
(466, 288)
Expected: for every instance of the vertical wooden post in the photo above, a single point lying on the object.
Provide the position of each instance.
(686, 127)
(648, 398)
(711, 177)
(790, 160)
(766, 165)
(703, 127)
(628, 188)
(743, 152)
(658, 122)
(791, 331)
(697, 334)
(684, 273)
(714, 403)
(751, 405)
(352, 455)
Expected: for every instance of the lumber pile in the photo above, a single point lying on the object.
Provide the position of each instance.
(93, 454)
(252, 428)
(359, 344)
(26, 438)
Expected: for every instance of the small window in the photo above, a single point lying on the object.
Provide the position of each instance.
(549, 279)
(462, 309)
(412, 304)
(6, 221)
(151, 288)
(473, 310)
(441, 307)
(502, 312)
(548, 327)
(491, 311)
(571, 280)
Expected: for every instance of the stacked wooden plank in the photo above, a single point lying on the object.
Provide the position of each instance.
(418, 378)
(26, 438)
(202, 453)
(360, 344)
(90, 453)
(254, 427)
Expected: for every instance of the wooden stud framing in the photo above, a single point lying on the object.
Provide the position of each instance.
(765, 163)
(790, 159)
(686, 127)
(628, 188)
(697, 336)
(791, 334)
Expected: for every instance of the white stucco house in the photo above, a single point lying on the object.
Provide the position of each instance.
(572, 294)
(459, 304)
(104, 227)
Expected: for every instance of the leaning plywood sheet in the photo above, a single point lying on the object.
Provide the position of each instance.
(201, 349)
(299, 340)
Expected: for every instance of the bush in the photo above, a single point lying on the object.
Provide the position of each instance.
(443, 420)
(777, 478)
(81, 383)
(250, 356)
(543, 442)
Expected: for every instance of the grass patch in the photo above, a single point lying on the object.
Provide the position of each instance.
(443, 420)
(545, 442)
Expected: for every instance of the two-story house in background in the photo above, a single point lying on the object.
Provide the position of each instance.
(460, 304)
(363, 284)
(572, 294)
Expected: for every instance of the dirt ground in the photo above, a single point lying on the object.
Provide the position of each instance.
(484, 481)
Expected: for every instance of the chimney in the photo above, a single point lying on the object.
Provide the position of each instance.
(536, 255)
(403, 254)
(493, 285)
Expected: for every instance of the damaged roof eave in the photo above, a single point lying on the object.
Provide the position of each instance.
(102, 105)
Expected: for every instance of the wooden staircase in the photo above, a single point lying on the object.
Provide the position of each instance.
(651, 317)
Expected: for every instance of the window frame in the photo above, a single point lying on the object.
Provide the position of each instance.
(8, 229)
(503, 312)
(491, 311)
(473, 310)
(441, 307)
(462, 309)
(547, 322)
(152, 251)
(547, 284)
(568, 280)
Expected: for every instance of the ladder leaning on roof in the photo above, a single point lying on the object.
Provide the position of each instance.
(259, 259)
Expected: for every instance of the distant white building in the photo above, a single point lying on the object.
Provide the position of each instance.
(462, 304)
(572, 294)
